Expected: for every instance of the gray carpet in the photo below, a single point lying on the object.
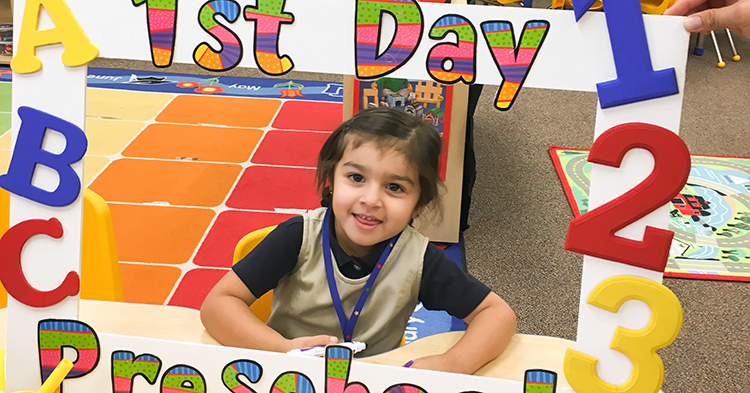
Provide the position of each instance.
(519, 216)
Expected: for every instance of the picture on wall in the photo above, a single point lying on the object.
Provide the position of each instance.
(424, 99)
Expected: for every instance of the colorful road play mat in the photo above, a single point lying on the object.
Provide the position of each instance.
(710, 216)
(190, 164)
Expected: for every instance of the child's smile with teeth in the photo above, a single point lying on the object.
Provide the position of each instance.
(361, 217)
(375, 194)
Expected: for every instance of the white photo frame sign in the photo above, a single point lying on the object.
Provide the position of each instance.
(636, 63)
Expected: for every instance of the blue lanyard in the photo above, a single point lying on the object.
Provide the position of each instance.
(347, 325)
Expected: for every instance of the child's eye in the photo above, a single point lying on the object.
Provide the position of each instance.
(393, 187)
(356, 177)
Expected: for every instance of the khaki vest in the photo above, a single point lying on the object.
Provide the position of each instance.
(302, 304)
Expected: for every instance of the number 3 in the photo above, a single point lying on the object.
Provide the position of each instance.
(638, 345)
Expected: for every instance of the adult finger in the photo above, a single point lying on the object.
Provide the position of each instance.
(716, 18)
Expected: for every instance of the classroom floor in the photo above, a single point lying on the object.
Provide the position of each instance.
(189, 164)
(186, 176)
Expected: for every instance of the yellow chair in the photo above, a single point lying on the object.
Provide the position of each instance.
(100, 269)
(503, 2)
(261, 307)
(654, 7)
(562, 4)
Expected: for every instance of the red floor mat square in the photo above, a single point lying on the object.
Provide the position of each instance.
(309, 116)
(292, 148)
(230, 226)
(270, 188)
(194, 287)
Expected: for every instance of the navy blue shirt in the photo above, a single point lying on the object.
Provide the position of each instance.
(444, 285)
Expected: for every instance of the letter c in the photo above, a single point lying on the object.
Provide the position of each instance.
(11, 273)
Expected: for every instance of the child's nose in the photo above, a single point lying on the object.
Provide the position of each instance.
(372, 196)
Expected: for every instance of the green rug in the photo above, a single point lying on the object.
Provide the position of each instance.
(710, 216)
(4, 107)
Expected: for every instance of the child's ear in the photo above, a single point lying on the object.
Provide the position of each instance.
(417, 211)
(327, 197)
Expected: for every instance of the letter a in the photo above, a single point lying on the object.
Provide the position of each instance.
(67, 31)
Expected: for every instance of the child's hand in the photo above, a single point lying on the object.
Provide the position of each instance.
(438, 363)
(311, 341)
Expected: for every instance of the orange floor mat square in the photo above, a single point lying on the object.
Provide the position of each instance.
(217, 250)
(149, 284)
(271, 188)
(196, 143)
(293, 148)
(158, 234)
(309, 116)
(228, 111)
(176, 182)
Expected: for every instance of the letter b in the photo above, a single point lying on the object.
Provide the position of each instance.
(28, 152)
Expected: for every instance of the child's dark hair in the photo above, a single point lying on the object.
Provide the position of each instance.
(418, 141)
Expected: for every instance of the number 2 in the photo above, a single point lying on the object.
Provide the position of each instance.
(594, 232)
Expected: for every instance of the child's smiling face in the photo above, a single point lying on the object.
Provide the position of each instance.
(375, 194)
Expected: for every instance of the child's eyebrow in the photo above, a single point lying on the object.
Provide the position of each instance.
(356, 166)
(361, 168)
(404, 179)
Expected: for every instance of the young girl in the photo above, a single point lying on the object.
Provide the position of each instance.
(355, 269)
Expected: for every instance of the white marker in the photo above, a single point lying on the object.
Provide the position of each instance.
(320, 351)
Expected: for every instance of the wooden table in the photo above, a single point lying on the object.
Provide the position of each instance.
(183, 324)
(524, 352)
